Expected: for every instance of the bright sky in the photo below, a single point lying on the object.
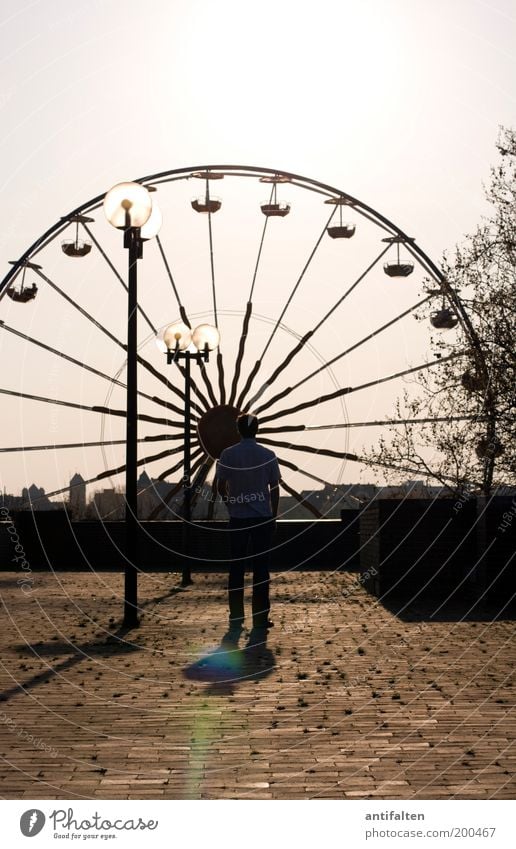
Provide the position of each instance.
(396, 102)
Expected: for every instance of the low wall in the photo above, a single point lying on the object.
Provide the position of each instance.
(51, 540)
(445, 548)
(439, 548)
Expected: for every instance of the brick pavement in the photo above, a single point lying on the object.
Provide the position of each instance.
(347, 700)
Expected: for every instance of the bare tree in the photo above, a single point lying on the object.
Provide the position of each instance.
(477, 454)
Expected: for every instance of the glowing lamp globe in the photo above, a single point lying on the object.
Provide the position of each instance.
(127, 205)
(153, 224)
(177, 336)
(206, 336)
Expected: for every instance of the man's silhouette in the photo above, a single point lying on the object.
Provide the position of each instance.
(248, 481)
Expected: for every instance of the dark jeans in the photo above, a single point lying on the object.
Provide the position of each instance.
(256, 534)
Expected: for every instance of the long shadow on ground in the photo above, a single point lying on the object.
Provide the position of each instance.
(229, 665)
(457, 609)
(113, 644)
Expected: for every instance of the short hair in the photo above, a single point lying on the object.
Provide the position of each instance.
(247, 425)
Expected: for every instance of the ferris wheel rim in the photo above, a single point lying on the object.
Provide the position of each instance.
(235, 170)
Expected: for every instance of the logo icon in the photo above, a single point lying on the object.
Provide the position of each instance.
(31, 822)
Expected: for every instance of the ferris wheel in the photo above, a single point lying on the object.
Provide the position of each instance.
(313, 292)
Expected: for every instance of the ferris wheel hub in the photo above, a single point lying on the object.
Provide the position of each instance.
(217, 429)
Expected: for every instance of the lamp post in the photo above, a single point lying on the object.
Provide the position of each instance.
(128, 207)
(182, 343)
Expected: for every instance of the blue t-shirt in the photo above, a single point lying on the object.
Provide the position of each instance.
(249, 469)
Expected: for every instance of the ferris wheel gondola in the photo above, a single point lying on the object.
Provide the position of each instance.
(23, 294)
(398, 267)
(77, 247)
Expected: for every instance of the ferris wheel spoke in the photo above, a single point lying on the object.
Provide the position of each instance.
(365, 339)
(380, 423)
(212, 265)
(143, 461)
(241, 350)
(117, 275)
(298, 283)
(299, 498)
(222, 386)
(282, 366)
(304, 472)
(283, 429)
(248, 312)
(251, 376)
(202, 367)
(175, 489)
(161, 377)
(199, 480)
(353, 286)
(368, 462)
(80, 309)
(260, 248)
(285, 392)
(101, 443)
(169, 273)
(197, 391)
(141, 360)
(207, 382)
(289, 300)
(347, 390)
(374, 423)
(86, 367)
(195, 465)
(307, 474)
(220, 363)
(165, 501)
(186, 320)
(105, 474)
(310, 449)
(89, 408)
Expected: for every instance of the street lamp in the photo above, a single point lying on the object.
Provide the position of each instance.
(182, 343)
(129, 207)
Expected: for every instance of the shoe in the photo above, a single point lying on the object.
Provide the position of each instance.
(232, 635)
(257, 638)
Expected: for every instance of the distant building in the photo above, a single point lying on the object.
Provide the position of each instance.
(34, 498)
(108, 504)
(148, 498)
(77, 496)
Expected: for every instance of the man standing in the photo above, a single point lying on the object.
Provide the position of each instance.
(248, 481)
